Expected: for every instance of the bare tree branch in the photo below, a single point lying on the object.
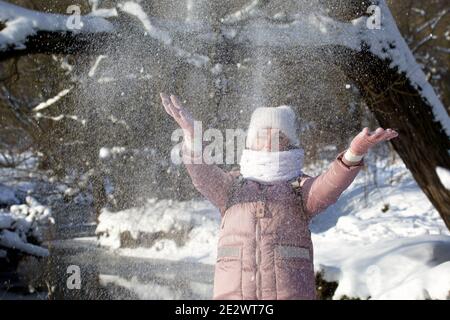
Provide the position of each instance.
(251, 10)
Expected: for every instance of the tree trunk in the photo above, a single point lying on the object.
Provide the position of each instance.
(423, 144)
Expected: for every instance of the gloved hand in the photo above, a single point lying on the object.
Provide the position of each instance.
(365, 140)
(180, 114)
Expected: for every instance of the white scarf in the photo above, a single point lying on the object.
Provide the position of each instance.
(268, 167)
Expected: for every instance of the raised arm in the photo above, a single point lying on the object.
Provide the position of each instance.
(211, 181)
(324, 190)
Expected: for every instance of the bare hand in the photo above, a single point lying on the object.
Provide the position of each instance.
(366, 140)
(179, 113)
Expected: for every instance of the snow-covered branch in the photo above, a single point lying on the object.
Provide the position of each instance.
(49, 102)
(21, 23)
(249, 11)
(134, 9)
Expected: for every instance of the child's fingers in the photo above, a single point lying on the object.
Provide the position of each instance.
(392, 135)
(180, 116)
(378, 133)
(388, 135)
(365, 131)
(184, 116)
(187, 115)
(385, 136)
(172, 111)
(166, 105)
(162, 95)
(176, 102)
(176, 112)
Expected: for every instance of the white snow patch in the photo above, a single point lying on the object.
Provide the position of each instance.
(444, 176)
(12, 240)
(135, 9)
(101, 12)
(22, 222)
(21, 23)
(95, 66)
(402, 268)
(7, 195)
(145, 291)
(199, 219)
(106, 153)
(49, 102)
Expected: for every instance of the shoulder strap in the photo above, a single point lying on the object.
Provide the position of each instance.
(238, 182)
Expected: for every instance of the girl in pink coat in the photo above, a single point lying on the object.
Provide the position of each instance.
(265, 249)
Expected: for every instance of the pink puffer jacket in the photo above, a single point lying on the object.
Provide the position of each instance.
(265, 249)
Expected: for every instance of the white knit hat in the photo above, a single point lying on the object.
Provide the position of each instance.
(282, 117)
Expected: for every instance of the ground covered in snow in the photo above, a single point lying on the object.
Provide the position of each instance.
(28, 201)
(382, 240)
(20, 228)
(22, 216)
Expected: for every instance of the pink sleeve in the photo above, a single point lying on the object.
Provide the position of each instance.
(324, 190)
(210, 180)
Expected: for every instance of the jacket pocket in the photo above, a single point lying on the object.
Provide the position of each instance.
(228, 271)
(294, 274)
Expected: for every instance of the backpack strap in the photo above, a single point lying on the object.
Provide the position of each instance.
(238, 182)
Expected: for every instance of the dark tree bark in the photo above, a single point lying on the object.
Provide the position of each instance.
(61, 43)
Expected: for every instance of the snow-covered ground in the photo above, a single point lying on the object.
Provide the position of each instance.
(22, 216)
(193, 223)
(21, 225)
(28, 199)
(383, 239)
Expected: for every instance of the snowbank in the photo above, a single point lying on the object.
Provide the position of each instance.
(383, 239)
(395, 248)
(403, 268)
(170, 230)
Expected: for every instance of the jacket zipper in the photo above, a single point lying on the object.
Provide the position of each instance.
(258, 259)
(259, 214)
